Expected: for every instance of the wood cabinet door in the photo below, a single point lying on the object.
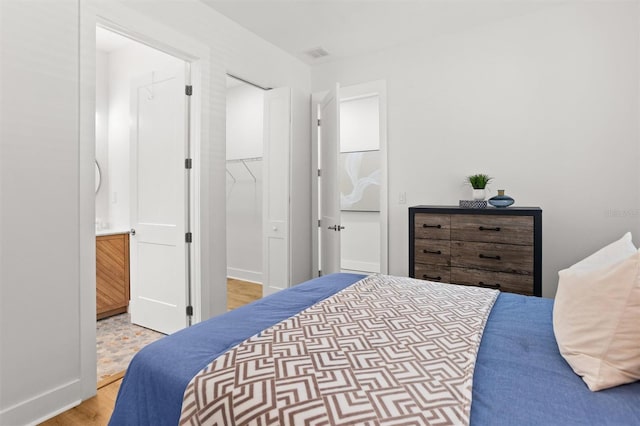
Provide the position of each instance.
(112, 274)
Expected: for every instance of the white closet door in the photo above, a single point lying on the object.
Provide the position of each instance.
(329, 190)
(158, 251)
(276, 175)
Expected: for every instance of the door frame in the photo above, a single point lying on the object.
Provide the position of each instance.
(122, 20)
(350, 92)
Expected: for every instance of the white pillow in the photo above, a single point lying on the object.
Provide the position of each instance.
(613, 253)
(596, 320)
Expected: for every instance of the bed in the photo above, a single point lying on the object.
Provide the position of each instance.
(520, 378)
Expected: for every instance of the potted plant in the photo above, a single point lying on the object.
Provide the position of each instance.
(479, 182)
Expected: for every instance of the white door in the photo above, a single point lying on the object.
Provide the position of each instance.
(158, 202)
(329, 141)
(276, 173)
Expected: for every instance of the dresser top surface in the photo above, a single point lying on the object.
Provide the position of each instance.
(488, 210)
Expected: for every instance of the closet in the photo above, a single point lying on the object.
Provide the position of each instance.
(245, 133)
(268, 185)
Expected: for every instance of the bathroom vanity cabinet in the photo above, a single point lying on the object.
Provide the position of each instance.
(112, 274)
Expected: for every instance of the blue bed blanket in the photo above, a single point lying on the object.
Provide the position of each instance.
(520, 377)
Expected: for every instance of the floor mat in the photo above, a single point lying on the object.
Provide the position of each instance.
(118, 341)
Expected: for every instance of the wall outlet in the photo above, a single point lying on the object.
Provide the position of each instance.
(402, 199)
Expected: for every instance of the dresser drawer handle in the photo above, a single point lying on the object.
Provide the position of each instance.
(431, 251)
(484, 256)
(424, 225)
(482, 228)
(496, 286)
(427, 277)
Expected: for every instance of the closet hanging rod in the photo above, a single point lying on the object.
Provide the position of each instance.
(234, 179)
(241, 160)
(248, 82)
(244, 163)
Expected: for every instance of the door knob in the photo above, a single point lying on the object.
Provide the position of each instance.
(340, 228)
(132, 232)
(334, 227)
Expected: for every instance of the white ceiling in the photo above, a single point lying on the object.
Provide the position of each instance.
(348, 28)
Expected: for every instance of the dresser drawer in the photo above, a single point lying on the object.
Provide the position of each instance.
(434, 252)
(437, 273)
(494, 229)
(431, 226)
(493, 257)
(513, 283)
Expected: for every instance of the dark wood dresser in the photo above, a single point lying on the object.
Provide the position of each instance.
(497, 248)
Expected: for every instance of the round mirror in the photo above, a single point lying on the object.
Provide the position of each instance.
(97, 177)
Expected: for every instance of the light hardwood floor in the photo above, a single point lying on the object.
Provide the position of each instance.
(240, 293)
(97, 410)
(92, 412)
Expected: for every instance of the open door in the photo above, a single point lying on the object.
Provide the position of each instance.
(158, 201)
(276, 172)
(329, 141)
(286, 208)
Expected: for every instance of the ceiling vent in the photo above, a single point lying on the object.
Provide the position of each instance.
(317, 52)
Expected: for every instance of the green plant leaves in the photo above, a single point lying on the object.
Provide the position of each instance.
(479, 181)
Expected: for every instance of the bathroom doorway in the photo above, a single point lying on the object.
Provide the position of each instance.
(142, 208)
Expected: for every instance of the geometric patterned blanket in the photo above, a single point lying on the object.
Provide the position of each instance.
(384, 351)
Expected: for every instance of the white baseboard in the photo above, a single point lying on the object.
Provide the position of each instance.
(42, 407)
(359, 266)
(244, 275)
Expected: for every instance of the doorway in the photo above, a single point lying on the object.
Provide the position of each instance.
(141, 136)
(244, 191)
(358, 175)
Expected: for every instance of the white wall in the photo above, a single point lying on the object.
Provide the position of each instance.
(47, 211)
(547, 103)
(40, 228)
(245, 116)
(102, 138)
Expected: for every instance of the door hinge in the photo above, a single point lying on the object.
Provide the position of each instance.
(318, 223)
(188, 163)
(318, 121)
(319, 273)
(189, 311)
(319, 173)
(188, 90)
(188, 237)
